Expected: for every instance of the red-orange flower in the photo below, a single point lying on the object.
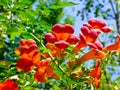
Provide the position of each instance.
(61, 36)
(89, 33)
(29, 55)
(26, 43)
(98, 25)
(115, 46)
(96, 74)
(28, 60)
(44, 70)
(96, 45)
(94, 53)
(87, 36)
(8, 85)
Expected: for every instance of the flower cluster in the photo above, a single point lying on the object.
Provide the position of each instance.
(89, 34)
(61, 36)
(57, 41)
(30, 57)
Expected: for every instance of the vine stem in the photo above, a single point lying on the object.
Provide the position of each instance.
(42, 45)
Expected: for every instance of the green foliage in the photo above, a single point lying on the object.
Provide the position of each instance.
(23, 19)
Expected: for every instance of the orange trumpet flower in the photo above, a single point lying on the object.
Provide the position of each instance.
(115, 46)
(29, 55)
(98, 25)
(61, 36)
(44, 70)
(94, 53)
(96, 73)
(87, 36)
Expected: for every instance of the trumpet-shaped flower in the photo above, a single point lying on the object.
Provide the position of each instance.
(8, 85)
(94, 53)
(87, 36)
(96, 74)
(61, 36)
(115, 46)
(99, 25)
(44, 70)
(29, 55)
(89, 33)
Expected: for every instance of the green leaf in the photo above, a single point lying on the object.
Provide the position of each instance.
(44, 50)
(27, 88)
(22, 4)
(62, 5)
(16, 33)
(56, 87)
(23, 15)
(68, 4)
(27, 35)
(58, 71)
(2, 18)
(5, 2)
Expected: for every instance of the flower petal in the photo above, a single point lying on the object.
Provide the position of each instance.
(24, 64)
(85, 30)
(57, 30)
(106, 29)
(72, 39)
(96, 45)
(82, 43)
(50, 37)
(8, 85)
(39, 77)
(67, 31)
(36, 57)
(61, 44)
(26, 43)
(31, 50)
